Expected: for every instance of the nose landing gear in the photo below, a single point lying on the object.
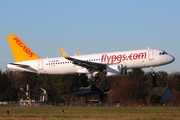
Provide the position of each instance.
(154, 84)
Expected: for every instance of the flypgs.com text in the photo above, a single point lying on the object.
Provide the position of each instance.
(110, 59)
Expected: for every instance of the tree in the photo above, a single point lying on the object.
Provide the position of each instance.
(69, 86)
(126, 91)
(176, 80)
(11, 94)
(139, 76)
(161, 78)
(16, 78)
(104, 85)
(29, 78)
(4, 85)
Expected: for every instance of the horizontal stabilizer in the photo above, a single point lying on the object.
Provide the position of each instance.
(20, 65)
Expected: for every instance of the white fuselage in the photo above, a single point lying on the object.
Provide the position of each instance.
(129, 59)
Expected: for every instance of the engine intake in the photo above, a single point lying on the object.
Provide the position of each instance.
(115, 70)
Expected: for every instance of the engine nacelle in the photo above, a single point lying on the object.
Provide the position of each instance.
(116, 70)
(95, 74)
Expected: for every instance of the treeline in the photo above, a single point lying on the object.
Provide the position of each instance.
(131, 88)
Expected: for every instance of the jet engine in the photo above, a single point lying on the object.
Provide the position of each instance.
(95, 74)
(116, 70)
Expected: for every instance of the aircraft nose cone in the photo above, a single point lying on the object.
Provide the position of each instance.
(172, 58)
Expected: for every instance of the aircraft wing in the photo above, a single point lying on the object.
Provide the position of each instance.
(83, 63)
(87, 64)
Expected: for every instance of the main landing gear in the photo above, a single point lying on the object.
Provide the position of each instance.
(94, 79)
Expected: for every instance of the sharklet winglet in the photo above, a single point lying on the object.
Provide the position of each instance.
(63, 52)
(78, 53)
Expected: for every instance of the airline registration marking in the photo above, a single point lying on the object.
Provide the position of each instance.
(24, 47)
(109, 59)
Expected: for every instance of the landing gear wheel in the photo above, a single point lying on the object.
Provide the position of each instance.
(95, 79)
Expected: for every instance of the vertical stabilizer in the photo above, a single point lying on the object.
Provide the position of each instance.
(20, 50)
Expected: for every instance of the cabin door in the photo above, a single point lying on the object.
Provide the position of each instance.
(40, 65)
(151, 55)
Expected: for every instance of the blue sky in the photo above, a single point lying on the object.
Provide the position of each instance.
(91, 26)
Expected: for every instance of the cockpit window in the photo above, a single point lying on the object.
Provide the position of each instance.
(163, 53)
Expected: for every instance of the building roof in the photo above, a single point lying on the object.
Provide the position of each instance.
(158, 91)
(89, 89)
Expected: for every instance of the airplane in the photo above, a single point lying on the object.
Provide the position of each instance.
(110, 64)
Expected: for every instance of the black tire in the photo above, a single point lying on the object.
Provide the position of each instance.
(97, 79)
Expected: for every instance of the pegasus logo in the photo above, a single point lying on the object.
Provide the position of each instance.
(24, 47)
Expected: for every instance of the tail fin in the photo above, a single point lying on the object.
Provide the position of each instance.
(20, 50)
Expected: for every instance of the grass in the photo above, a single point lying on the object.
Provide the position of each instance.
(91, 113)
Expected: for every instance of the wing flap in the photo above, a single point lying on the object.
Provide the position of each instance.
(88, 65)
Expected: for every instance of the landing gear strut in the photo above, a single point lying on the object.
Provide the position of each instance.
(154, 84)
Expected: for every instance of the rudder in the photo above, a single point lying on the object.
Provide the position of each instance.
(20, 50)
